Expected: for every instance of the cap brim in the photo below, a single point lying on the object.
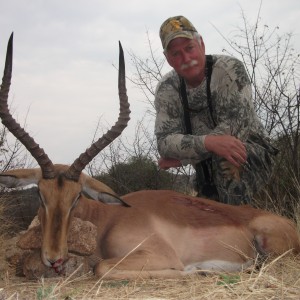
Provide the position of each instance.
(183, 34)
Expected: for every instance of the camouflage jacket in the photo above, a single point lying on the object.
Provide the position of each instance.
(232, 106)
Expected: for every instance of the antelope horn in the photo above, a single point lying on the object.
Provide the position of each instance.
(85, 158)
(14, 127)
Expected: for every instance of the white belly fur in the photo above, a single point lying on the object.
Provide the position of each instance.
(217, 265)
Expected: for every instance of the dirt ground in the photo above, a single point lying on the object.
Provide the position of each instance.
(276, 279)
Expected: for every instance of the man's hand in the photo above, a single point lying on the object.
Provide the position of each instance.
(166, 163)
(227, 146)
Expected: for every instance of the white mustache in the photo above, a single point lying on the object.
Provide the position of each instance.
(191, 64)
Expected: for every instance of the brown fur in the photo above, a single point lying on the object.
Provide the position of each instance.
(161, 234)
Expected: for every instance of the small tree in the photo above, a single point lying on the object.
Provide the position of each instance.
(273, 68)
(18, 207)
(139, 173)
(129, 165)
(13, 154)
(273, 64)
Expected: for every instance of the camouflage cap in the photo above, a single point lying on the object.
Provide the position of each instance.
(175, 27)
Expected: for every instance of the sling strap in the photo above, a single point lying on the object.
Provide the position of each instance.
(208, 72)
(205, 164)
(184, 99)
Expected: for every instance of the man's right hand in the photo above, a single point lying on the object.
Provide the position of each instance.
(166, 163)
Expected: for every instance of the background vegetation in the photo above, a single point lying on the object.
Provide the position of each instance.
(131, 164)
(273, 67)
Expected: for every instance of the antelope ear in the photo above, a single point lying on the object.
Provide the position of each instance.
(99, 191)
(20, 177)
(111, 199)
(104, 197)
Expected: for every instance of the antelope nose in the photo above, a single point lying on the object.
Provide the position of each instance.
(55, 263)
(51, 262)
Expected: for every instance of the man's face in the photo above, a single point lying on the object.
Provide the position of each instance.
(187, 57)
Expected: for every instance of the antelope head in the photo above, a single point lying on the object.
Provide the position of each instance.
(60, 187)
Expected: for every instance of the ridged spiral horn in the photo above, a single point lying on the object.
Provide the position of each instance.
(13, 126)
(85, 158)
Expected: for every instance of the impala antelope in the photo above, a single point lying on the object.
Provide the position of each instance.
(145, 233)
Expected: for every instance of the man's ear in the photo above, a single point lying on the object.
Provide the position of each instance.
(201, 42)
(168, 58)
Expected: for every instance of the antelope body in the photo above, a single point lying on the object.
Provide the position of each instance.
(145, 233)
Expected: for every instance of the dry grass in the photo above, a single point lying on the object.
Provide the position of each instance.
(277, 279)
(6, 225)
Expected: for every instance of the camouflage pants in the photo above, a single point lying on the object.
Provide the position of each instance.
(251, 177)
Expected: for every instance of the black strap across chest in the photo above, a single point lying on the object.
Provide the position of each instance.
(184, 99)
(206, 164)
